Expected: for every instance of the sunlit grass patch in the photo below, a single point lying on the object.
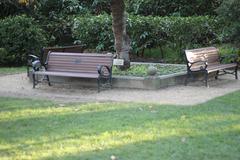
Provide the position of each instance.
(32, 129)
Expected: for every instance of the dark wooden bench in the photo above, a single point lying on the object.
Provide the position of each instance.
(46, 50)
(80, 65)
(207, 60)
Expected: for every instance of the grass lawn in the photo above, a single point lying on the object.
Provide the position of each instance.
(12, 70)
(31, 129)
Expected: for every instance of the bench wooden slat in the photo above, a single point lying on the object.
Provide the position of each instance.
(68, 74)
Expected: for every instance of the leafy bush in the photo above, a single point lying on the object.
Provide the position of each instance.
(58, 29)
(173, 7)
(229, 11)
(148, 32)
(94, 32)
(3, 56)
(9, 7)
(19, 36)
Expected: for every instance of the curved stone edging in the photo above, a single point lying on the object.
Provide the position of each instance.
(150, 82)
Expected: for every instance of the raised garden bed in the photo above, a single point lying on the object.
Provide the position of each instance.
(141, 69)
(137, 76)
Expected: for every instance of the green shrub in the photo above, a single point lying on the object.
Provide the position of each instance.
(229, 12)
(94, 31)
(172, 7)
(3, 56)
(148, 32)
(55, 17)
(19, 36)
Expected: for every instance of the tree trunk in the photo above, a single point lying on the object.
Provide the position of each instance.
(122, 41)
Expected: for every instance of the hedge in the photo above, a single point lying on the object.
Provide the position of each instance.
(147, 32)
(19, 36)
(173, 7)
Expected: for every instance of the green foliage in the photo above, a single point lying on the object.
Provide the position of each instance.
(140, 70)
(58, 29)
(19, 36)
(3, 56)
(148, 32)
(9, 7)
(228, 50)
(54, 17)
(229, 11)
(172, 7)
(94, 31)
(50, 8)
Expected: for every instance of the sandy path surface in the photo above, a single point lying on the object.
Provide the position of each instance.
(18, 85)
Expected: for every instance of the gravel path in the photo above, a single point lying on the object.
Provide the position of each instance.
(18, 85)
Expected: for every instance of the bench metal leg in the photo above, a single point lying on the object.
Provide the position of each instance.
(49, 84)
(236, 72)
(206, 79)
(110, 82)
(216, 76)
(27, 71)
(98, 83)
(34, 80)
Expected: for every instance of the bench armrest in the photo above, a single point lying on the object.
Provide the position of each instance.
(103, 69)
(32, 58)
(34, 62)
(205, 64)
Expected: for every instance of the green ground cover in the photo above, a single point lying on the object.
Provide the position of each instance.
(12, 70)
(141, 70)
(31, 129)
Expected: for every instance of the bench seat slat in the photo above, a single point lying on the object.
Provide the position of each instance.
(68, 74)
(214, 68)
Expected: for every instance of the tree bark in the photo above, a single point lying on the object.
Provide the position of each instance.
(122, 40)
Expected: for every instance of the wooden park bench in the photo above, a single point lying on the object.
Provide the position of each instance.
(207, 60)
(46, 50)
(80, 65)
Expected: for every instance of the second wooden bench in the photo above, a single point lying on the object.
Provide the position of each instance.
(207, 60)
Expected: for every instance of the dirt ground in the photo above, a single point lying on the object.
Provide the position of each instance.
(18, 85)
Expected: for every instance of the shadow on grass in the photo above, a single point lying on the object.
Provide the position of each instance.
(94, 122)
(209, 147)
(208, 129)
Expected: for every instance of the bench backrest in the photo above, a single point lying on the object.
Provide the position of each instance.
(70, 49)
(77, 62)
(209, 54)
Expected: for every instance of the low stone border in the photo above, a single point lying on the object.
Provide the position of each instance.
(150, 82)
(132, 82)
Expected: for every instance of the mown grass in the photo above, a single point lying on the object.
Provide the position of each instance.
(12, 70)
(31, 129)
